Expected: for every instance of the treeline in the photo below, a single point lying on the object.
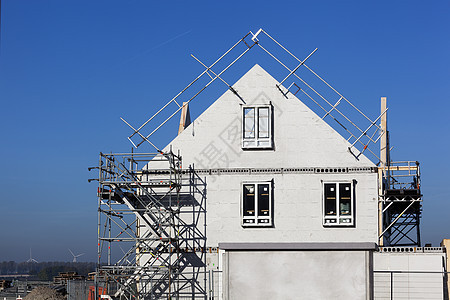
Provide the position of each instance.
(45, 270)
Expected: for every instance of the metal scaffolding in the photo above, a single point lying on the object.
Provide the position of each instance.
(399, 195)
(324, 98)
(151, 227)
(401, 201)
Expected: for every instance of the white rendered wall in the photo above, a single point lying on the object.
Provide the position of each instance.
(301, 139)
(297, 210)
(296, 275)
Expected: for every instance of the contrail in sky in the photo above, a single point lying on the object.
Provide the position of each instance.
(153, 48)
(146, 51)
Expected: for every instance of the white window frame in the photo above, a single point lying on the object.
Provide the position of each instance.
(257, 220)
(338, 219)
(257, 142)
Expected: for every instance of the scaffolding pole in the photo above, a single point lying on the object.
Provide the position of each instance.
(361, 138)
(151, 240)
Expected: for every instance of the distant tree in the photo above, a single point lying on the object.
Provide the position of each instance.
(48, 273)
(45, 269)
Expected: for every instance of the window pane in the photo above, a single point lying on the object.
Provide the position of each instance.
(330, 199)
(345, 198)
(263, 122)
(263, 200)
(249, 122)
(264, 143)
(249, 200)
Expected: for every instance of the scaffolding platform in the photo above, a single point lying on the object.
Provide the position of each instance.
(401, 204)
(402, 194)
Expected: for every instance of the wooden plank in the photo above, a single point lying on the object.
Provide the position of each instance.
(383, 163)
(185, 118)
(400, 168)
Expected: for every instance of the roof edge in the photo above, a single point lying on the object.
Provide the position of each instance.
(349, 246)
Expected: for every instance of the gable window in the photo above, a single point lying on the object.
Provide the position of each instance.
(257, 204)
(257, 127)
(338, 199)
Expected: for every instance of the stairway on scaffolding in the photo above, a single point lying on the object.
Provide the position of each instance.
(156, 196)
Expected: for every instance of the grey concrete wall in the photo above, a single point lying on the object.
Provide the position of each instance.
(296, 275)
(409, 285)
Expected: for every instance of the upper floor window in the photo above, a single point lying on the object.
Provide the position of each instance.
(338, 198)
(257, 204)
(257, 127)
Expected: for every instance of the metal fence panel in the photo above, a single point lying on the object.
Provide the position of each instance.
(398, 285)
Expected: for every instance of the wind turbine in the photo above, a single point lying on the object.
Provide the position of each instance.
(31, 260)
(75, 256)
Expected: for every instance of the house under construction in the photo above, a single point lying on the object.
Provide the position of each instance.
(281, 189)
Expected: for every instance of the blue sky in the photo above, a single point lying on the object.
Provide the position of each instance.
(70, 69)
